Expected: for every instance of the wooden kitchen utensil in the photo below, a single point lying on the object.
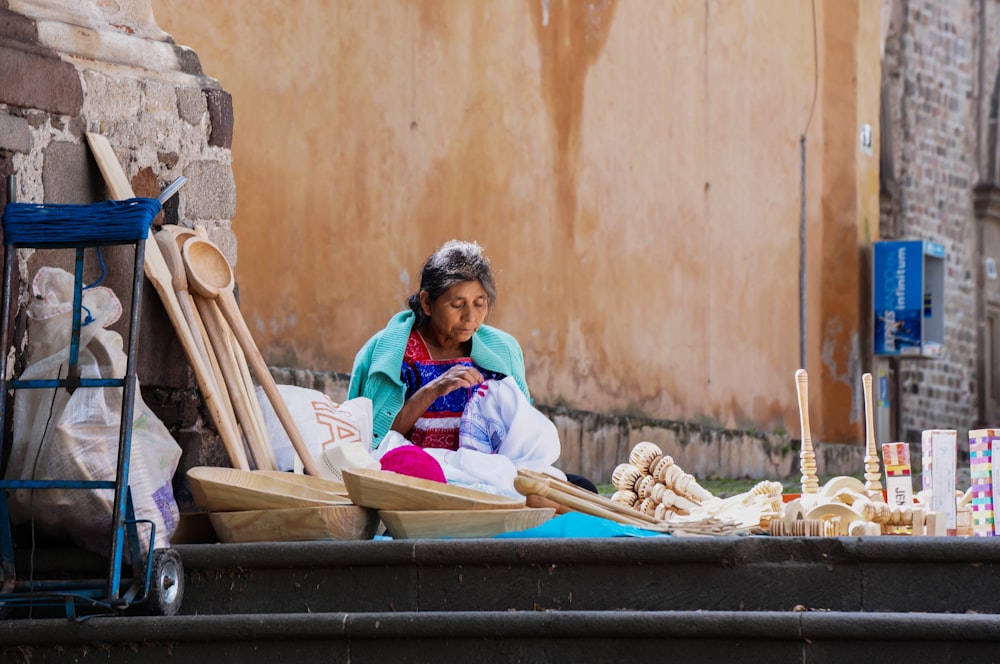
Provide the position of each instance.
(593, 506)
(211, 275)
(296, 524)
(174, 260)
(384, 490)
(435, 524)
(231, 490)
(807, 457)
(218, 334)
(873, 476)
(180, 235)
(568, 488)
(159, 275)
(317, 483)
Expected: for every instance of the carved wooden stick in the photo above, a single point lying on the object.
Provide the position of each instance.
(873, 483)
(807, 458)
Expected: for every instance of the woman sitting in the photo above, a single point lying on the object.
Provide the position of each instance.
(423, 368)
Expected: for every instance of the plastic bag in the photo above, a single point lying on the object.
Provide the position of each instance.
(63, 436)
(324, 425)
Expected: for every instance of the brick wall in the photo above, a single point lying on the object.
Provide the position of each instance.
(931, 73)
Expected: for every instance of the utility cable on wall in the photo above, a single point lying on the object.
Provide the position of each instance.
(802, 203)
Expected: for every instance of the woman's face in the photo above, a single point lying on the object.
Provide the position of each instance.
(458, 313)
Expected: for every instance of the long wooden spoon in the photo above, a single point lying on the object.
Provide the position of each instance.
(256, 438)
(210, 274)
(211, 388)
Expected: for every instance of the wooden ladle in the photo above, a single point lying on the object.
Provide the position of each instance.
(210, 274)
(215, 399)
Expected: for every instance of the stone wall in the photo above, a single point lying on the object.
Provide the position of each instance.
(933, 86)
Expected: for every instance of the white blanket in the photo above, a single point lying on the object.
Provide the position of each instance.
(500, 432)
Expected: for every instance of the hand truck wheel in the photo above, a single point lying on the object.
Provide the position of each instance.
(166, 583)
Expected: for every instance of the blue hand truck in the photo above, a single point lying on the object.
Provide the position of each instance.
(156, 582)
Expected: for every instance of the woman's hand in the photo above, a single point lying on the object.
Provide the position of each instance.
(456, 378)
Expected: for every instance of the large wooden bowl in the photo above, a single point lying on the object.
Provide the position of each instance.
(384, 490)
(296, 524)
(318, 483)
(435, 524)
(232, 490)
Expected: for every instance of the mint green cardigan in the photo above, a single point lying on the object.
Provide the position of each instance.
(378, 364)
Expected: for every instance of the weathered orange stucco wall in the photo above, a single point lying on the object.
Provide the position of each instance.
(632, 168)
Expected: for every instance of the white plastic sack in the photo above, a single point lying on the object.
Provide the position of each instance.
(321, 422)
(63, 436)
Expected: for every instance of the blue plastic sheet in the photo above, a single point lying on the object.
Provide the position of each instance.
(577, 524)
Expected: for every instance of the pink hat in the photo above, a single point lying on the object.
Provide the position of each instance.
(413, 461)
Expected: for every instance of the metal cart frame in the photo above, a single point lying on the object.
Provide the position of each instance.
(114, 592)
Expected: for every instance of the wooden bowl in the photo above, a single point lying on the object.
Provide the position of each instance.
(384, 490)
(318, 483)
(433, 524)
(296, 524)
(233, 490)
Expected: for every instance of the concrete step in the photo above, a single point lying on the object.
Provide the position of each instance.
(871, 574)
(745, 599)
(510, 636)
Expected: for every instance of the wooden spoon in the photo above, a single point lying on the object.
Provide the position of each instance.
(211, 388)
(176, 261)
(210, 274)
(246, 392)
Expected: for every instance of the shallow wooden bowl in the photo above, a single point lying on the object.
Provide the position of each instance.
(433, 524)
(318, 483)
(384, 490)
(296, 524)
(233, 490)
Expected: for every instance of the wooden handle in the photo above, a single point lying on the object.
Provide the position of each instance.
(250, 391)
(802, 390)
(589, 496)
(263, 456)
(232, 313)
(534, 500)
(527, 486)
(807, 457)
(873, 478)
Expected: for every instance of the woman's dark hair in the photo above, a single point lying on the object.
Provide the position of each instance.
(454, 262)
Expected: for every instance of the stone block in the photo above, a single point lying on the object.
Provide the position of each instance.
(158, 98)
(160, 358)
(210, 192)
(116, 102)
(70, 175)
(15, 135)
(220, 113)
(39, 80)
(571, 437)
(17, 27)
(191, 104)
(6, 170)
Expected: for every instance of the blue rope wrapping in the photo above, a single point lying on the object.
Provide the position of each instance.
(94, 223)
